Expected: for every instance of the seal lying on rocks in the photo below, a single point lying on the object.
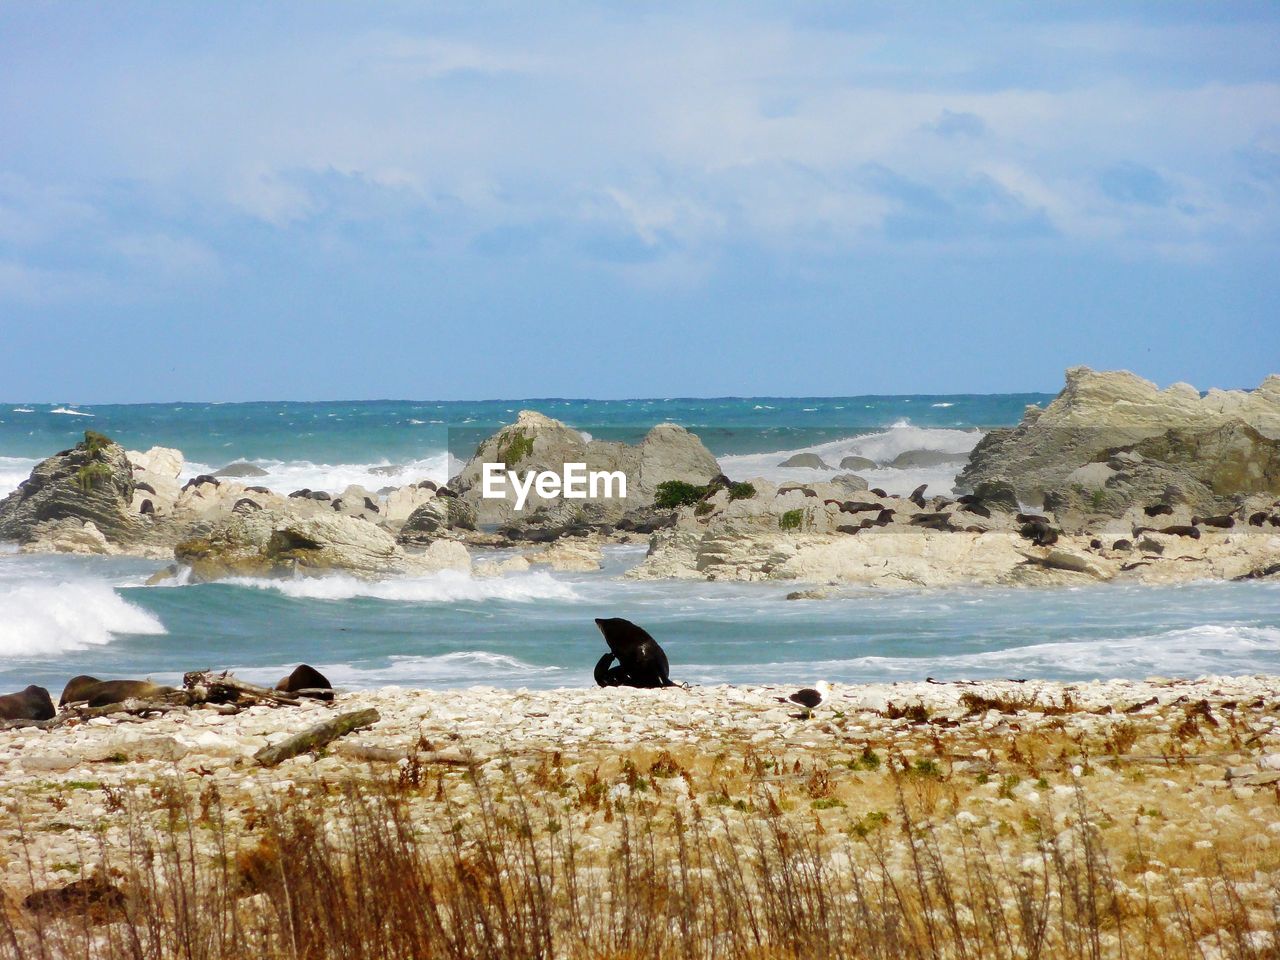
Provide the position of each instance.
(100, 693)
(641, 661)
(33, 703)
(304, 677)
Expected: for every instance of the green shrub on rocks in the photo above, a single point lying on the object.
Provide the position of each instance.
(672, 494)
(87, 477)
(741, 491)
(791, 520)
(95, 443)
(516, 447)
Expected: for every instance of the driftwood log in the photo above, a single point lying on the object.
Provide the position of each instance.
(315, 737)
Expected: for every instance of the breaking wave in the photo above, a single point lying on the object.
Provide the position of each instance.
(39, 619)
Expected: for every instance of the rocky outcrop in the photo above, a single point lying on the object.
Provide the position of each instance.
(436, 518)
(538, 443)
(92, 482)
(1100, 414)
(256, 542)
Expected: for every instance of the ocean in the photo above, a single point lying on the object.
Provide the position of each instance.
(61, 616)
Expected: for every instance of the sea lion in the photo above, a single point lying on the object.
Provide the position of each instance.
(641, 661)
(33, 703)
(304, 677)
(146, 508)
(917, 495)
(859, 506)
(878, 492)
(1224, 522)
(885, 517)
(246, 502)
(303, 494)
(978, 509)
(256, 490)
(427, 485)
(200, 480)
(1181, 530)
(1158, 510)
(445, 492)
(1122, 545)
(100, 693)
(1257, 519)
(1032, 518)
(1041, 534)
(849, 528)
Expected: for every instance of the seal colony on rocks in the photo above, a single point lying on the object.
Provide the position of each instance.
(1105, 457)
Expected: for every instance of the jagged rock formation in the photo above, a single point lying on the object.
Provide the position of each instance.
(256, 542)
(90, 483)
(537, 442)
(1071, 442)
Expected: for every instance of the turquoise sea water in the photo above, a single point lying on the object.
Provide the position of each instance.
(63, 615)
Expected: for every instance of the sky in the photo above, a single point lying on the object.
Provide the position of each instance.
(246, 201)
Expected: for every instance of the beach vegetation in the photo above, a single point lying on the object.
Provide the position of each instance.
(741, 491)
(673, 494)
(703, 508)
(95, 442)
(791, 520)
(514, 446)
(88, 476)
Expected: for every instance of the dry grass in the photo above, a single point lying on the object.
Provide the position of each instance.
(497, 866)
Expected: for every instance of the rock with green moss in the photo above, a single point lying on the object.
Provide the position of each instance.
(92, 482)
(277, 543)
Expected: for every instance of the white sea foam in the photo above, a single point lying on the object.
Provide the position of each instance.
(23, 410)
(286, 476)
(67, 411)
(13, 470)
(453, 669)
(881, 447)
(447, 586)
(942, 405)
(41, 619)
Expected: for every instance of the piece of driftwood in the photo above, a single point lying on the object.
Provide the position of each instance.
(209, 687)
(317, 736)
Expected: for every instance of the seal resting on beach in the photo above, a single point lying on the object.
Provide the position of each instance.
(304, 677)
(33, 703)
(641, 661)
(100, 693)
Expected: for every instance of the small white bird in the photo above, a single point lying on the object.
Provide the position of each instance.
(810, 698)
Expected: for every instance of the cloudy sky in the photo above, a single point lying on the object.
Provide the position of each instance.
(303, 200)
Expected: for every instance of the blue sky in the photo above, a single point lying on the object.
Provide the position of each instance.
(303, 200)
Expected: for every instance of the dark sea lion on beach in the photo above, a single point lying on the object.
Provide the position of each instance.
(917, 495)
(256, 490)
(1181, 530)
(100, 693)
(1039, 533)
(977, 508)
(859, 506)
(849, 528)
(1257, 519)
(1122, 545)
(641, 661)
(1224, 522)
(304, 677)
(876, 491)
(146, 507)
(885, 517)
(246, 502)
(1031, 518)
(1158, 510)
(445, 492)
(201, 480)
(302, 494)
(33, 703)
